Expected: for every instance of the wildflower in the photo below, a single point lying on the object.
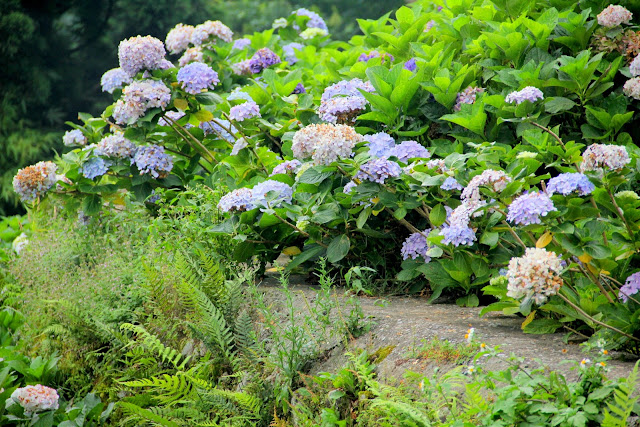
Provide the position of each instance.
(36, 398)
(34, 181)
(263, 58)
(483, 345)
(241, 44)
(140, 53)
(604, 352)
(529, 93)
(584, 363)
(138, 97)
(536, 274)
(212, 127)
(342, 102)
(614, 15)
(416, 245)
(409, 150)
(378, 170)
(204, 31)
(196, 77)
(114, 79)
(315, 20)
(153, 160)
(410, 65)
(283, 193)
(290, 52)
(632, 88)
(602, 364)
(324, 143)
(497, 180)
(178, 38)
(471, 370)
(287, 166)
(244, 111)
(467, 96)
(599, 156)
(193, 54)
(566, 183)
(239, 200)
(631, 287)
(74, 137)
(469, 335)
(528, 208)
(379, 144)
(451, 184)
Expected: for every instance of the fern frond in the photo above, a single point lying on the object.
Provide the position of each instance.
(408, 410)
(56, 329)
(145, 414)
(169, 388)
(623, 404)
(244, 401)
(245, 335)
(152, 343)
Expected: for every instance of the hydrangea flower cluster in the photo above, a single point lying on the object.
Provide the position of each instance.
(178, 38)
(630, 287)
(528, 208)
(536, 274)
(242, 68)
(138, 97)
(458, 232)
(207, 29)
(73, 138)
(36, 398)
(239, 145)
(290, 52)
(34, 181)
(115, 146)
(222, 131)
(244, 111)
(567, 183)
(379, 144)
(601, 156)
(342, 102)
(529, 93)
(450, 184)
(375, 54)
(197, 77)
(239, 200)
(193, 54)
(287, 166)
(324, 143)
(172, 116)
(263, 58)
(378, 170)
(283, 193)
(348, 187)
(299, 89)
(238, 95)
(409, 150)
(614, 15)
(153, 160)
(241, 44)
(634, 67)
(311, 33)
(315, 20)
(437, 164)
(95, 167)
(467, 96)
(632, 88)
(416, 245)
(140, 53)
(498, 181)
(410, 65)
(429, 26)
(114, 79)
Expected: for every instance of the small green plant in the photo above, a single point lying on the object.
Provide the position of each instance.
(443, 351)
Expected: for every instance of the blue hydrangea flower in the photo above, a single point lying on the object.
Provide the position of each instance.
(299, 89)
(528, 208)
(214, 128)
(74, 137)
(342, 102)
(153, 160)
(411, 65)
(247, 110)
(138, 97)
(239, 95)
(239, 145)
(348, 187)
(467, 96)
(315, 20)
(450, 184)
(115, 146)
(630, 287)
(529, 93)
(566, 183)
(290, 52)
(140, 53)
(458, 234)
(375, 54)
(287, 166)
(114, 79)
(239, 200)
(379, 144)
(153, 197)
(240, 44)
(281, 193)
(263, 58)
(196, 77)
(416, 245)
(378, 170)
(94, 167)
(409, 150)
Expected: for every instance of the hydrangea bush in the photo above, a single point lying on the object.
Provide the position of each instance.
(441, 145)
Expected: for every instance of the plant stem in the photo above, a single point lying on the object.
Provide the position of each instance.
(187, 137)
(304, 233)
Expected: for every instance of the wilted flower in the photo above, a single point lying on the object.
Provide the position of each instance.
(467, 96)
(193, 54)
(379, 144)
(140, 53)
(450, 184)
(287, 166)
(498, 181)
(138, 97)
(311, 33)
(244, 111)
(614, 15)
(632, 88)
(630, 287)
(36, 398)
(197, 77)
(239, 200)
(528, 208)
(263, 58)
(74, 137)
(211, 28)
(315, 20)
(416, 245)
(324, 143)
(114, 79)
(281, 193)
(153, 160)
(241, 44)
(536, 274)
(408, 150)
(566, 183)
(178, 38)
(34, 181)
(469, 335)
(378, 170)
(601, 156)
(95, 167)
(529, 93)
(115, 146)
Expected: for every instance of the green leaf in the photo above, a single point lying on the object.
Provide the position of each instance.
(338, 248)
(470, 300)
(558, 104)
(314, 175)
(438, 215)
(309, 252)
(208, 98)
(542, 326)
(92, 204)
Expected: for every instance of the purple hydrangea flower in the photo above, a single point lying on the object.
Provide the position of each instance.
(153, 160)
(114, 79)
(239, 200)
(73, 138)
(290, 52)
(416, 245)
(178, 38)
(239, 145)
(411, 65)
(241, 44)
(299, 89)
(214, 128)
(153, 197)
(204, 31)
(630, 287)
(94, 167)
(242, 68)
(115, 146)
(196, 77)
(529, 93)
(458, 235)
(140, 53)
(238, 94)
(138, 97)
(315, 20)
(343, 102)
(263, 58)
(467, 96)
(409, 150)
(450, 184)
(566, 183)
(287, 166)
(528, 208)
(348, 187)
(174, 116)
(378, 170)
(379, 144)
(283, 193)
(375, 54)
(247, 110)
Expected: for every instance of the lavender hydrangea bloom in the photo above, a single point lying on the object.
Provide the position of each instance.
(299, 89)
(315, 20)
(467, 96)
(196, 77)
(458, 235)
(114, 79)
(283, 193)
(263, 58)
(600, 157)
(247, 110)
(94, 167)
(239, 145)
(138, 97)
(379, 144)
(287, 166)
(529, 93)
(237, 200)
(566, 183)
(241, 44)
(202, 32)
(409, 150)
(348, 187)
(238, 95)
(193, 54)
(411, 65)
(214, 128)
(115, 146)
(451, 184)
(178, 38)
(73, 138)
(140, 53)
(153, 160)
(290, 52)
(528, 208)
(634, 67)
(378, 170)
(346, 88)
(172, 116)
(343, 102)
(416, 245)
(375, 54)
(630, 287)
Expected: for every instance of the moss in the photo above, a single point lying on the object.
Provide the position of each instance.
(380, 354)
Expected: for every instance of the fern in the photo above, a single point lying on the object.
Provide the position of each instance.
(152, 343)
(170, 388)
(624, 402)
(205, 273)
(245, 335)
(407, 410)
(136, 412)
(248, 403)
